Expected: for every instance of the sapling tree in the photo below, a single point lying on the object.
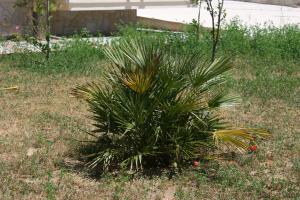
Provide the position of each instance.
(48, 33)
(40, 9)
(198, 3)
(36, 8)
(217, 14)
(199, 16)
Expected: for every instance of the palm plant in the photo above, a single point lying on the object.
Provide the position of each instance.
(155, 107)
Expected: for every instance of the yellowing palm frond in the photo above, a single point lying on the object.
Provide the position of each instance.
(239, 138)
(138, 81)
(86, 92)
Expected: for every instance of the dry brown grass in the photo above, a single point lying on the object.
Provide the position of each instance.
(37, 153)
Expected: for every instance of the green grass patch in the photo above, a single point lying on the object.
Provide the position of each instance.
(73, 56)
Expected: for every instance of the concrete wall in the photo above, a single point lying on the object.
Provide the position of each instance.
(17, 20)
(294, 3)
(13, 19)
(104, 21)
(73, 15)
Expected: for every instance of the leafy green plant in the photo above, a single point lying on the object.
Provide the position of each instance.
(155, 107)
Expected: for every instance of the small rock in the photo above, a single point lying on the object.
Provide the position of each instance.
(31, 151)
(253, 173)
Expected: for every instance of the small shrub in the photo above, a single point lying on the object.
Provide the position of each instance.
(184, 42)
(156, 108)
(263, 42)
(236, 39)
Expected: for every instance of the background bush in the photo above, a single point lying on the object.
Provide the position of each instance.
(75, 55)
(265, 42)
(260, 45)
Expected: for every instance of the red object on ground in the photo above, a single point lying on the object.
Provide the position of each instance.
(253, 148)
(196, 163)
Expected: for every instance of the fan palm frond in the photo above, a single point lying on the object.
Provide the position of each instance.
(239, 138)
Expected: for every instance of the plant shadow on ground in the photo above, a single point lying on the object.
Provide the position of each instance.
(208, 169)
(78, 164)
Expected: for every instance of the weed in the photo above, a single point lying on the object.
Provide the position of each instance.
(179, 194)
(50, 187)
(231, 176)
(296, 165)
(118, 191)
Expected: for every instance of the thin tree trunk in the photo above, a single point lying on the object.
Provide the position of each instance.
(211, 11)
(35, 19)
(216, 25)
(48, 28)
(198, 19)
(220, 10)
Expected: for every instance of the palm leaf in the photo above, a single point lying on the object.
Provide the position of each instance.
(239, 138)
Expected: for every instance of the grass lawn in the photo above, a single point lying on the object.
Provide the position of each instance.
(41, 123)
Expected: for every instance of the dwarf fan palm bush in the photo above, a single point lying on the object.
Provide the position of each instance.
(155, 107)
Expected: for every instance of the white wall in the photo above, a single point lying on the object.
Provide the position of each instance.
(276, 2)
(124, 4)
(248, 13)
